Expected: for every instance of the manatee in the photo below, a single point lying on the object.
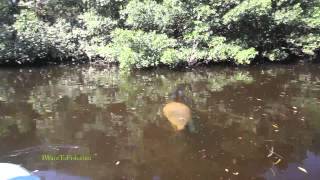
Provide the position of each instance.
(178, 114)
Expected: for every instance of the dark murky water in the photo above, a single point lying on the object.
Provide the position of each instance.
(255, 123)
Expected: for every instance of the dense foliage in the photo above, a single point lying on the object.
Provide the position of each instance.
(148, 33)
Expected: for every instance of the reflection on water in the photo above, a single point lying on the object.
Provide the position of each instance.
(252, 123)
(311, 162)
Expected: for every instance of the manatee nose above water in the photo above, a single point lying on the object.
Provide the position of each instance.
(178, 114)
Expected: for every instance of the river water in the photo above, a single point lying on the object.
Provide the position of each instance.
(250, 123)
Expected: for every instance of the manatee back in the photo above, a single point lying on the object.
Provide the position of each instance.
(178, 114)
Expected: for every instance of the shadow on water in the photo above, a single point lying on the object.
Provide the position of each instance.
(251, 123)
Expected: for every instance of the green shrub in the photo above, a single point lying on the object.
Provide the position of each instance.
(37, 40)
(139, 49)
(247, 8)
(171, 57)
(107, 8)
(220, 50)
(276, 55)
(309, 43)
(94, 34)
(312, 19)
(149, 15)
(31, 39)
(6, 43)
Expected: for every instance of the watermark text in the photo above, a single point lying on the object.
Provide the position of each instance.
(65, 157)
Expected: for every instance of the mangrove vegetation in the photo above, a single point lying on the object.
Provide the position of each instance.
(150, 33)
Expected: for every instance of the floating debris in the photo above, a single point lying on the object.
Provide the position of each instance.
(226, 170)
(275, 125)
(269, 140)
(294, 107)
(235, 173)
(117, 163)
(277, 162)
(270, 152)
(202, 150)
(303, 170)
